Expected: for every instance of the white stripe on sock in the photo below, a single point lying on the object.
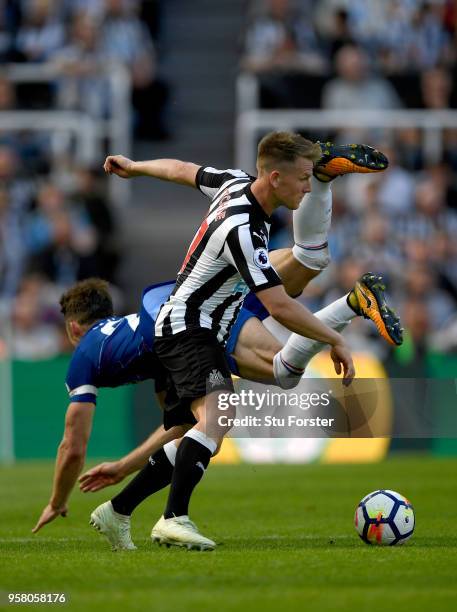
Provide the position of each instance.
(298, 350)
(170, 450)
(202, 438)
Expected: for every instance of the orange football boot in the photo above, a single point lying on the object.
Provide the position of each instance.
(347, 159)
(368, 300)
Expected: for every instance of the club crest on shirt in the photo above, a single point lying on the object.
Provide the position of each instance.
(261, 258)
(222, 206)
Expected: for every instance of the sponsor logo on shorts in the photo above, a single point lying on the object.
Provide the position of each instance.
(261, 258)
(215, 378)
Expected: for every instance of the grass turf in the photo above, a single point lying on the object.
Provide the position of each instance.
(288, 543)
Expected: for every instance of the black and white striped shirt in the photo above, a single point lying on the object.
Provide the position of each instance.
(227, 258)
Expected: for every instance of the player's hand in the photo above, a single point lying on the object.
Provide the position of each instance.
(120, 165)
(101, 476)
(342, 360)
(49, 514)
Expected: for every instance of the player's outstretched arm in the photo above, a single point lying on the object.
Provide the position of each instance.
(112, 472)
(174, 170)
(297, 318)
(70, 460)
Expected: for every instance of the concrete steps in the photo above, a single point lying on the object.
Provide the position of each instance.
(202, 40)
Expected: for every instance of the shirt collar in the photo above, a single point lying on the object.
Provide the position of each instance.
(259, 210)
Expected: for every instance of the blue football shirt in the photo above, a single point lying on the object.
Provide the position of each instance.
(118, 350)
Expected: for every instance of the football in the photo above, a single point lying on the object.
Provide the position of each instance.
(385, 518)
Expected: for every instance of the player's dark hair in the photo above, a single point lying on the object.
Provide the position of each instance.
(87, 302)
(277, 147)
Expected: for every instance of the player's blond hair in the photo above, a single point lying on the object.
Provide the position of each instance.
(87, 302)
(279, 147)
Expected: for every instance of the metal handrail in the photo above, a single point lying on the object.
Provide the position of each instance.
(90, 132)
(250, 123)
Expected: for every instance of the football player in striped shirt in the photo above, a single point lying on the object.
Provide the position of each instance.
(227, 258)
(250, 351)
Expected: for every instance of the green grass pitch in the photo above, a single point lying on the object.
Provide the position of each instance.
(287, 543)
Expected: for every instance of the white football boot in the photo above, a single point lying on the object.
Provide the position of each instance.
(180, 531)
(115, 526)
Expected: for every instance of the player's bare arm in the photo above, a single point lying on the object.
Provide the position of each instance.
(70, 460)
(112, 472)
(173, 170)
(297, 318)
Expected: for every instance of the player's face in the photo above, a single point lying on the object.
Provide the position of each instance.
(293, 182)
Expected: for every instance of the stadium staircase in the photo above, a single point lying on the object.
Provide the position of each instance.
(201, 52)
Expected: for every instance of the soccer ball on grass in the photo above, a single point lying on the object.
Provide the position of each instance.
(385, 518)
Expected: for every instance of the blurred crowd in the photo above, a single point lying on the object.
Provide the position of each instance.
(383, 54)
(57, 224)
(52, 233)
(332, 54)
(80, 39)
(393, 36)
(352, 54)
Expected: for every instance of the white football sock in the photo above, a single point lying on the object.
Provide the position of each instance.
(311, 225)
(290, 363)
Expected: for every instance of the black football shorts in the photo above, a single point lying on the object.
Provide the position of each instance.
(196, 365)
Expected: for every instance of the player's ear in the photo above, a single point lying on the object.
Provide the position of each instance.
(74, 330)
(274, 179)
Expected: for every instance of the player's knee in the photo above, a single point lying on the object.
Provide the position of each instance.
(219, 417)
(316, 260)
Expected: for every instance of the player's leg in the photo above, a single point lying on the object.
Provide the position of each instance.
(311, 221)
(291, 361)
(254, 351)
(195, 450)
(153, 477)
(259, 348)
(156, 473)
(310, 254)
(196, 363)
(366, 299)
(259, 344)
(192, 459)
(294, 275)
(112, 518)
